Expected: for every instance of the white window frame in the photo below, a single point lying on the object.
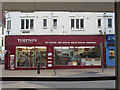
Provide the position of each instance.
(9, 24)
(111, 22)
(45, 27)
(54, 27)
(29, 23)
(75, 18)
(101, 22)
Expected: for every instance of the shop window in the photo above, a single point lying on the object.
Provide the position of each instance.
(111, 54)
(75, 55)
(27, 56)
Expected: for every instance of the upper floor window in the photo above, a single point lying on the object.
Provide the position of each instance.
(8, 24)
(2, 41)
(82, 23)
(2, 31)
(44, 22)
(72, 23)
(77, 23)
(27, 23)
(99, 22)
(54, 22)
(109, 23)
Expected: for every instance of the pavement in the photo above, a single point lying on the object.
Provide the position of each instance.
(57, 85)
(58, 72)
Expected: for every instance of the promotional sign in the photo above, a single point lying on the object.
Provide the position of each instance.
(12, 62)
(110, 38)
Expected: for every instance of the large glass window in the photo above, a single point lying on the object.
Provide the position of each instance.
(77, 55)
(26, 56)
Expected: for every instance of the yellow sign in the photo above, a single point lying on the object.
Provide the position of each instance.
(74, 63)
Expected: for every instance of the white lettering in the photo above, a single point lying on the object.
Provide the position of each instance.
(27, 40)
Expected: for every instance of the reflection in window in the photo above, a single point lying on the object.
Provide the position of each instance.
(26, 56)
(74, 56)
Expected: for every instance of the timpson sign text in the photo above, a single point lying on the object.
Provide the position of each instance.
(27, 40)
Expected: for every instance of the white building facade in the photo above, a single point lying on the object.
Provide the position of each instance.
(59, 23)
(2, 42)
(64, 39)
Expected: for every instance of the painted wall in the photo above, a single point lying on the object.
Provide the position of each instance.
(64, 23)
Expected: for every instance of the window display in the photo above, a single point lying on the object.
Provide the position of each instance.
(77, 55)
(111, 54)
(26, 56)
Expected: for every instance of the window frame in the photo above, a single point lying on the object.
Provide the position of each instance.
(29, 23)
(55, 26)
(98, 22)
(75, 23)
(108, 23)
(43, 23)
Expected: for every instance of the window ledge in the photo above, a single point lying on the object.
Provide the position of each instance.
(109, 27)
(54, 27)
(99, 26)
(44, 27)
(77, 29)
(26, 29)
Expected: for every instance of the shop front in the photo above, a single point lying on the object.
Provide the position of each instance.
(110, 50)
(55, 52)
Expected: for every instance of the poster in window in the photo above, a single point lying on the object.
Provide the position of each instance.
(12, 62)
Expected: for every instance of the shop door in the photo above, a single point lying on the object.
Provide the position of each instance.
(111, 57)
(33, 55)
